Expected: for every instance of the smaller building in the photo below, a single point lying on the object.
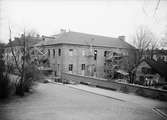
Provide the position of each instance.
(157, 55)
(150, 72)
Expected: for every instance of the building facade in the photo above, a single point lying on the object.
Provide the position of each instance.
(84, 54)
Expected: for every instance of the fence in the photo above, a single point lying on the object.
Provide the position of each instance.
(124, 87)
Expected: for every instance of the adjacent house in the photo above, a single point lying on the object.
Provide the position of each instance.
(149, 72)
(157, 54)
(84, 54)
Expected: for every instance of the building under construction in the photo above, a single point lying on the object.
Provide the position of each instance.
(85, 54)
(81, 53)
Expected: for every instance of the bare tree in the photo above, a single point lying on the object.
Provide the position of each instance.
(153, 46)
(144, 40)
(32, 33)
(163, 43)
(22, 65)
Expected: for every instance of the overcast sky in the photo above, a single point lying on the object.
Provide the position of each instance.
(102, 17)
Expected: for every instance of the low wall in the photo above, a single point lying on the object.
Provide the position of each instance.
(124, 87)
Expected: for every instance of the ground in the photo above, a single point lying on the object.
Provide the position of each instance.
(62, 102)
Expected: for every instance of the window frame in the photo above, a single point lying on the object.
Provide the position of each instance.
(83, 66)
(70, 51)
(105, 53)
(49, 52)
(95, 54)
(70, 67)
(59, 52)
(54, 52)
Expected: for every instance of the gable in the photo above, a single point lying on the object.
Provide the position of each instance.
(141, 65)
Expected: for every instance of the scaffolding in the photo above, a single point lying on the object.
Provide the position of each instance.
(91, 67)
(112, 63)
(39, 57)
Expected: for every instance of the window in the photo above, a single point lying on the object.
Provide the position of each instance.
(94, 69)
(105, 53)
(70, 68)
(83, 52)
(58, 67)
(115, 54)
(127, 53)
(141, 78)
(117, 67)
(95, 54)
(59, 52)
(104, 70)
(48, 52)
(33, 52)
(53, 52)
(83, 67)
(148, 70)
(70, 52)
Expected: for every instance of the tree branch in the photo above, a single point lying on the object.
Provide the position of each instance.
(10, 42)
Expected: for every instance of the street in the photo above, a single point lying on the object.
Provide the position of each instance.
(61, 102)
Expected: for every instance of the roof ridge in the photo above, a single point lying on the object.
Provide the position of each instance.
(115, 38)
(92, 34)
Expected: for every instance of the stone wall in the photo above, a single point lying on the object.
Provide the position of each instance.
(123, 87)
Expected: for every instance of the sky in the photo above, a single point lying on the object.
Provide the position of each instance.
(101, 17)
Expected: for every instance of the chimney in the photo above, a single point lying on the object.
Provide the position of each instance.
(121, 37)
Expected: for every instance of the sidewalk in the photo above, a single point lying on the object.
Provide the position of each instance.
(131, 98)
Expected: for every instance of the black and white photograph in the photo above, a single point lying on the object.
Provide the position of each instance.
(83, 59)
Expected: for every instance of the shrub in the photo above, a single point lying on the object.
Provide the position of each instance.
(141, 92)
(161, 96)
(31, 75)
(19, 88)
(4, 78)
(5, 86)
(124, 89)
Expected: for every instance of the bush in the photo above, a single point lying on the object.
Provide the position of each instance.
(141, 92)
(4, 78)
(161, 96)
(5, 86)
(139, 82)
(164, 87)
(19, 88)
(124, 89)
(25, 84)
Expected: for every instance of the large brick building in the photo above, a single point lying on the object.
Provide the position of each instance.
(84, 54)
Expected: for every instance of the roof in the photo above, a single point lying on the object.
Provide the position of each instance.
(29, 40)
(85, 39)
(123, 72)
(157, 52)
(159, 67)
